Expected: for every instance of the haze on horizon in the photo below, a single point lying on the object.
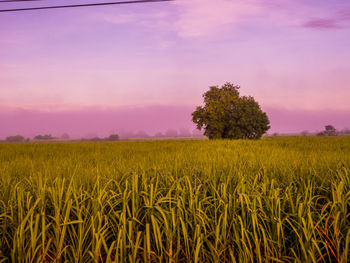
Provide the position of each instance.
(145, 67)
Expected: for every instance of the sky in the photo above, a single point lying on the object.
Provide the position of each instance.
(144, 67)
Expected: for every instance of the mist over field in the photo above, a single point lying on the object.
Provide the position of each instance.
(149, 120)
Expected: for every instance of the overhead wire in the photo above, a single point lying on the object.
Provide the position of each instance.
(77, 5)
(15, 1)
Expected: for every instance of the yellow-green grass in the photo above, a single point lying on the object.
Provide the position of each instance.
(272, 200)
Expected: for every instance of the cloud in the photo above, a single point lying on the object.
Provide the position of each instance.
(151, 19)
(119, 19)
(205, 17)
(198, 18)
(338, 21)
(344, 14)
(322, 24)
(165, 44)
(189, 18)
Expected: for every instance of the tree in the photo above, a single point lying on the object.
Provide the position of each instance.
(228, 115)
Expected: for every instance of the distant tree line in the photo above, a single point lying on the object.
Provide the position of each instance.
(345, 131)
(44, 137)
(169, 133)
(329, 130)
(111, 138)
(47, 137)
(16, 138)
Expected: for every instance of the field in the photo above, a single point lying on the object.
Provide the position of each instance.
(272, 200)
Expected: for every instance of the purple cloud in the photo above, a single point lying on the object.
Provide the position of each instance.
(322, 24)
(344, 15)
(329, 23)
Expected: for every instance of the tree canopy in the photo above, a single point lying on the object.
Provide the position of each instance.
(228, 115)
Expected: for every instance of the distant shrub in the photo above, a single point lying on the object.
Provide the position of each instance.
(141, 134)
(159, 135)
(96, 139)
(184, 133)
(44, 137)
(17, 138)
(305, 133)
(171, 133)
(345, 131)
(65, 136)
(113, 137)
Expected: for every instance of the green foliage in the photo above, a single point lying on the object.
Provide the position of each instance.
(273, 200)
(227, 115)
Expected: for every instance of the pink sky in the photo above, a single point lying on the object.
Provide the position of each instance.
(102, 64)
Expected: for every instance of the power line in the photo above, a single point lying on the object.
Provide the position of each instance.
(13, 1)
(81, 5)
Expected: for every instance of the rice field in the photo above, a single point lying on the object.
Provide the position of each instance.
(281, 199)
